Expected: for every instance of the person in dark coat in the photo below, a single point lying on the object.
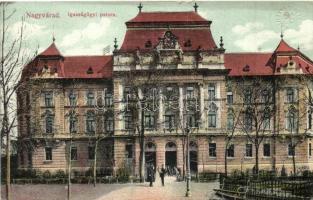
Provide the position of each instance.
(150, 172)
(162, 174)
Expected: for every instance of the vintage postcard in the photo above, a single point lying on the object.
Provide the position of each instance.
(156, 100)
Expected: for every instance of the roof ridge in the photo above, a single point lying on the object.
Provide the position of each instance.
(249, 52)
(88, 56)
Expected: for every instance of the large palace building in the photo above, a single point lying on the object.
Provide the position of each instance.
(169, 81)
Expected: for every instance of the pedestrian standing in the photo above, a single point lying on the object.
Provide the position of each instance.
(150, 175)
(162, 174)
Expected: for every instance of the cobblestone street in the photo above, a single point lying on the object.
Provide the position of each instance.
(172, 191)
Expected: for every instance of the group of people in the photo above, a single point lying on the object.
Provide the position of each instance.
(151, 174)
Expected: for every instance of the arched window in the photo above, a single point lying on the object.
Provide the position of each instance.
(49, 122)
(90, 122)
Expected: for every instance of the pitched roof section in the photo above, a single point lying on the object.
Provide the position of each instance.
(88, 66)
(168, 17)
(52, 50)
(198, 37)
(284, 47)
(248, 64)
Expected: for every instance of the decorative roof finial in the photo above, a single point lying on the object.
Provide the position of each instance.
(196, 7)
(298, 47)
(221, 42)
(140, 7)
(115, 44)
(53, 38)
(281, 31)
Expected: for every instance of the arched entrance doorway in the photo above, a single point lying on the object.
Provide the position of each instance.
(150, 154)
(170, 156)
(193, 153)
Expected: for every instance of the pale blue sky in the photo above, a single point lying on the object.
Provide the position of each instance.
(245, 26)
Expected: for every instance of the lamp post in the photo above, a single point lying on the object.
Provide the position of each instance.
(188, 163)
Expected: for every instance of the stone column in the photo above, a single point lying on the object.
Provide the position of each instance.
(118, 106)
(140, 96)
(181, 103)
(160, 113)
(201, 106)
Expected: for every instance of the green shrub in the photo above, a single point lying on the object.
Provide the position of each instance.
(60, 174)
(122, 175)
(46, 174)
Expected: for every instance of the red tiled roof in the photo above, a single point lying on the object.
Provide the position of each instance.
(88, 66)
(248, 64)
(52, 50)
(198, 37)
(284, 47)
(167, 17)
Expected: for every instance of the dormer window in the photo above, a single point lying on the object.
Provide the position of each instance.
(187, 43)
(148, 44)
(90, 71)
(246, 68)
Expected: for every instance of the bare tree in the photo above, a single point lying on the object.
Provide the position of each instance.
(233, 118)
(139, 100)
(13, 58)
(255, 94)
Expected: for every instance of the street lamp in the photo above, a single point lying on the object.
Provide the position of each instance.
(188, 163)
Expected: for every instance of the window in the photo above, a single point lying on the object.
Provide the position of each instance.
(231, 151)
(212, 119)
(169, 121)
(248, 121)
(310, 149)
(248, 150)
(91, 152)
(291, 150)
(265, 96)
(266, 150)
(48, 151)
(90, 99)
(149, 120)
(73, 123)
(212, 149)
(291, 121)
(108, 100)
(109, 124)
(230, 121)
(72, 98)
(49, 122)
(73, 153)
(191, 120)
(290, 94)
(48, 99)
(266, 121)
(190, 93)
(309, 120)
(211, 91)
(129, 151)
(230, 99)
(128, 121)
(90, 122)
(247, 96)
